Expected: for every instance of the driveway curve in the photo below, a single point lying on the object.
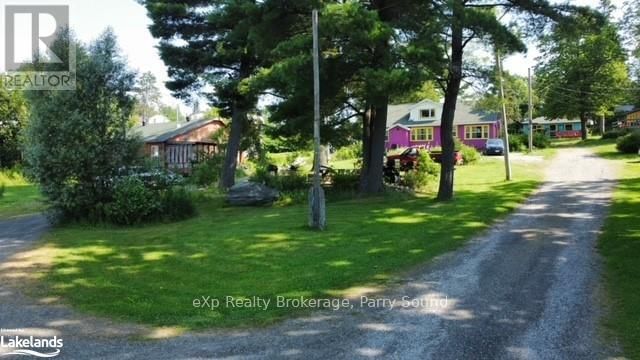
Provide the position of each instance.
(526, 289)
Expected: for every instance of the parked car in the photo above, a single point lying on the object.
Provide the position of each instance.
(494, 147)
(409, 158)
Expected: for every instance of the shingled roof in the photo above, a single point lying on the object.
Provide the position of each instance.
(465, 114)
(157, 133)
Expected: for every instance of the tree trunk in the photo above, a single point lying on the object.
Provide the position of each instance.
(445, 189)
(583, 123)
(375, 125)
(238, 120)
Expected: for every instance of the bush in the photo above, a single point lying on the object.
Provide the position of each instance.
(2, 189)
(177, 204)
(630, 143)
(345, 181)
(541, 141)
(353, 151)
(207, 171)
(518, 142)
(285, 182)
(425, 171)
(132, 202)
(74, 141)
(615, 133)
(469, 154)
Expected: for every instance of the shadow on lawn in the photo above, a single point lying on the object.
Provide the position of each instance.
(152, 275)
(137, 273)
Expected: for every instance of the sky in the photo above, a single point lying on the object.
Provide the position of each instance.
(89, 18)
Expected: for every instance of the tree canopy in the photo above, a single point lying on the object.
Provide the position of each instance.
(76, 140)
(584, 71)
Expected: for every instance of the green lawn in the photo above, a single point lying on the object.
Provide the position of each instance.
(20, 197)
(620, 246)
(152, 274)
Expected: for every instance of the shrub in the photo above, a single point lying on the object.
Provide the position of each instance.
(177, 204)
(284, 182)
(74, 141)
(132, 202)
(518, 142)
(2, 189)
(541, 141)
(353, 151)
(425, 171)
(630, 143)
(345, 181)
(615, 133)
(469, 154)
(207, 171)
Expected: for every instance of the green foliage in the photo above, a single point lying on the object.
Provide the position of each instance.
(469, 154)
(540, 141)
(13, 116)
(2, 189)
(630, 143)
(176, 203)
(615, 133)
(428, 91)
(75, 141)
(584, 69)
(345, 181)
(518, 142)
(516, 97)
(349, 152)
(286, 182)
(207, 171)
(147, 96)
(425, 172)
(135, 202)
(132, 202)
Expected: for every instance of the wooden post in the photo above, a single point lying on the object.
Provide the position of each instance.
(530, 115)
(317, 216)
(507, 162)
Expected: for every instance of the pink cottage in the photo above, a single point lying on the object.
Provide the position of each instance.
(419, 125)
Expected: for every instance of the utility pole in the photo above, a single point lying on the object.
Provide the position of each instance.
(507, 161)
(317, 213)
(530, 115)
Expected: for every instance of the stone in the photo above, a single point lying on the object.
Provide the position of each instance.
(251, 193)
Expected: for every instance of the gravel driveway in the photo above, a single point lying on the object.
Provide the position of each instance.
(527, 289)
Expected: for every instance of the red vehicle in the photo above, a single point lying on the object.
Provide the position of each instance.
(409, 158)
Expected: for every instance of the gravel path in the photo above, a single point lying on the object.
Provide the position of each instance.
(527, 289)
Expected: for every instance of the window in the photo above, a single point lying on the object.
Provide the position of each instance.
(155, 151)
(422, 134)
(428, 113)
(455, 131)
(476, 132)
(568, 127)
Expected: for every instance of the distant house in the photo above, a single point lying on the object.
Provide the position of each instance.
(179, 145)
(555, 128)
(418, 125)
(631, 120)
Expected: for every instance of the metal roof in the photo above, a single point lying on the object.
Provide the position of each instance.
(545, 120)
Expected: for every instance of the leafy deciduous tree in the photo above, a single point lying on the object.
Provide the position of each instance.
(584, 71)
(13, 115)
